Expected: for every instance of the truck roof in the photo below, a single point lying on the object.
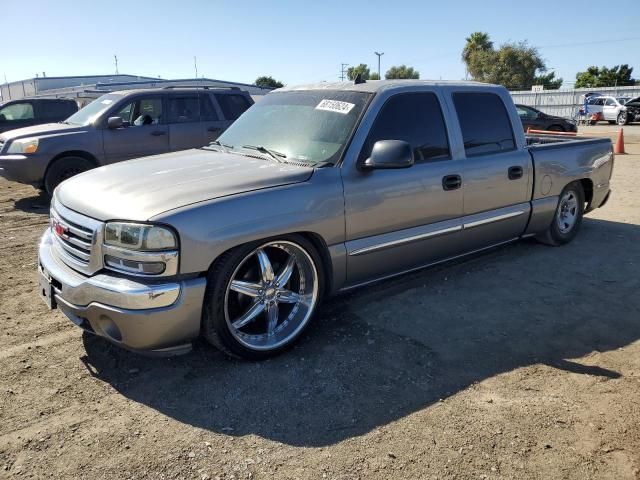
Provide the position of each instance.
(371, 86)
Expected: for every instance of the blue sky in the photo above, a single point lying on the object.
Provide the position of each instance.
(298, 42)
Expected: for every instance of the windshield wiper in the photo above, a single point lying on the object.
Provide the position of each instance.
(273, 153)
(223, 145)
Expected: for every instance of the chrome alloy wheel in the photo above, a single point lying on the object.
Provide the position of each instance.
(567, 213)
(271, 296)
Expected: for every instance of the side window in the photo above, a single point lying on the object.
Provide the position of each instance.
(56, 110)
(17, 111)
(415, 118)
(610, 102)
(207, 111)
(149, 111)
(484, 122)
(232, 105)
(125, 113)
(184, 109)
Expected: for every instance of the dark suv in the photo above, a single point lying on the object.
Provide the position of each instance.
(34, 111)
(119, 126)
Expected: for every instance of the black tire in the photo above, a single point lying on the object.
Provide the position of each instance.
(64, 168)
(611, 122)
(622, 119)
(555, 128)
(217, 329)
(555, 235)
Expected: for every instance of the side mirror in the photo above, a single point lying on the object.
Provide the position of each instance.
(114, 122)
(388, 154)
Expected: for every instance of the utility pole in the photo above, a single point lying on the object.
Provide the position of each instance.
(342, 70)
(379, 54)
(115, 58)
(195, 65)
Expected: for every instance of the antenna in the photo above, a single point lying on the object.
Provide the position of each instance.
(115, 58)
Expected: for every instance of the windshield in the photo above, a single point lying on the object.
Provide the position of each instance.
(91, 112)
(309, 126)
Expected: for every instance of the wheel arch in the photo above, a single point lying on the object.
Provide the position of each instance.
(314, 238)
(71, 153)
(587, 187)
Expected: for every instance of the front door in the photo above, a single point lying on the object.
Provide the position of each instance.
(144, 131)
(397, 220)
(497, 172)
(610, 109)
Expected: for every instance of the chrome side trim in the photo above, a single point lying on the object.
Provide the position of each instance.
(497, 218)
(401, 241)
(392, 275)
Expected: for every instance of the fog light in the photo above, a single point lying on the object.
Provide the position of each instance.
(146, 268)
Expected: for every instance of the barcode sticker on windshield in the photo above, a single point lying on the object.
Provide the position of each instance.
(335, 106)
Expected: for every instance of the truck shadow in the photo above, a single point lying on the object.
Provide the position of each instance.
(383, 352)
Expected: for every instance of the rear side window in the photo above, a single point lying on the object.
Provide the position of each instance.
(184, 109)
(232, 105)
(57, 110)
(207, 111)
(484, 122)
(415, 118)
(17, 111)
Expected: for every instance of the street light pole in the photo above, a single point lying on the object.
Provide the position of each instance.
(379, 54)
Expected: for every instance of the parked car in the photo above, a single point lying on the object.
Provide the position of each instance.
(119, 126)
(633, 109)
(314, 190)
(537, 120)
(34, 111)
(611, 109)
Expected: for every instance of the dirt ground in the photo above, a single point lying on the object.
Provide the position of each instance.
(523, 362)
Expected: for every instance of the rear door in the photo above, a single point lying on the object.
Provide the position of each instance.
(212, 125)
(184, 121)
(144, 131)
(496, 171)
(610, 109)
(17, 115)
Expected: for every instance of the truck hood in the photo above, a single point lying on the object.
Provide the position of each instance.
(143, 188)
(45, 130)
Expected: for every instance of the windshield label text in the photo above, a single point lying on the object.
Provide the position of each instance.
(335, 106)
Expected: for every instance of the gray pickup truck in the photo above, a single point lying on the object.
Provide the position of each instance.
(119, 126)
(314, 190)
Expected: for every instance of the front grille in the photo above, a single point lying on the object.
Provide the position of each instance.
(76, 239)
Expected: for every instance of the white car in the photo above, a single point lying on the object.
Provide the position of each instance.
(611, 108)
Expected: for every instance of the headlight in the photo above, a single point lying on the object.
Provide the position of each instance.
(24, 145)
(140, 249)
(136, 236)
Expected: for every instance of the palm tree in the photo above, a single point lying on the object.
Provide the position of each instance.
(477, 41)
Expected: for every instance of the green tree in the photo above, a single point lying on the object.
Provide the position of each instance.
(401, 72)
(268, 82)
(516, 65)
(476, 42)
(549, 81)
(362, 69)
(374, 76)
(594, 77)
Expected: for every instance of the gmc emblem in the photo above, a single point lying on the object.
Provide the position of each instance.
(60, 229)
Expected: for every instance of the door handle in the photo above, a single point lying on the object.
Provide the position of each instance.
(213, 129)
(451, 182)
(515, 173)
(157, 133)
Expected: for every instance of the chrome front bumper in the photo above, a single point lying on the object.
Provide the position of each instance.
(133, 313)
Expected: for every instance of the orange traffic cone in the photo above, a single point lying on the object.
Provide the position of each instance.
(619, 147)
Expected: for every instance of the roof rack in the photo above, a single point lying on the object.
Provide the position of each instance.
(206, 87)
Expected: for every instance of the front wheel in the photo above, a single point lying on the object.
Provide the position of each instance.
(622, 118)
(567, 218)
(261, 297)
(62, 169)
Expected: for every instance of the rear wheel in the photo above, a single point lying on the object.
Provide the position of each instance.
(261, 297)
(567, 218)
(64, 168)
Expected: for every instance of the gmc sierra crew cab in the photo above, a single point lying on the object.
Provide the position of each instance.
(316, 189)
